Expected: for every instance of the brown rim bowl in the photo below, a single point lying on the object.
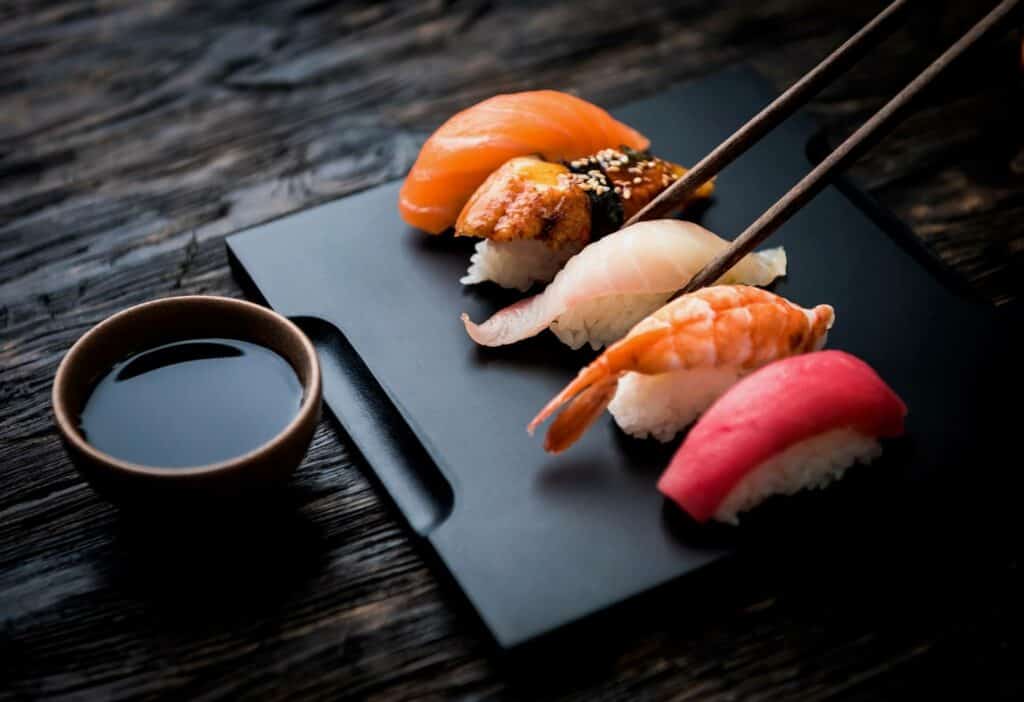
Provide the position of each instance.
(256, 473)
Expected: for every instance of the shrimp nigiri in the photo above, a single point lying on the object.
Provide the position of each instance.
(676, 362)
(467, 148)
(615, 282)
(533, 215)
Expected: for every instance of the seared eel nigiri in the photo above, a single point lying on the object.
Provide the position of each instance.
(533, 215)
(676, 362)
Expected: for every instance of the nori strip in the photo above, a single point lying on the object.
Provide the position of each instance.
(606, 213)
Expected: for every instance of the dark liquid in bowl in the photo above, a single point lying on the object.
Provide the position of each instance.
(191, 403)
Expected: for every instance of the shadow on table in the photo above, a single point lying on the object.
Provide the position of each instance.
(211, 565)
(918, 581)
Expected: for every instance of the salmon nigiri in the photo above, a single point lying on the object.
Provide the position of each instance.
(615, 282)
(472, 144)
(795, 424)
(676, 362)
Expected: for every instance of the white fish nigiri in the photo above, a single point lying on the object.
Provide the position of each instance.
(615, 282)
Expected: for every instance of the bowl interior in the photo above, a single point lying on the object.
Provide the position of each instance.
(165, 321)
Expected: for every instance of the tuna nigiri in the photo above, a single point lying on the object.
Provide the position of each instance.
(676, 362)
(533, 215)
(794, 424)
(472, 144)
(617, 281)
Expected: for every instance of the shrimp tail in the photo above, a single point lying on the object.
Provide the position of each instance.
(609, 365)
(580, 414)
(590, 375)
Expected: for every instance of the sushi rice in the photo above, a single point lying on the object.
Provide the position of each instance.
(516, 264)
(602, 320)
(807, 465)
(661, 405)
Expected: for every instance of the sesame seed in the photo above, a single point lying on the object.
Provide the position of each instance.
(638, 180)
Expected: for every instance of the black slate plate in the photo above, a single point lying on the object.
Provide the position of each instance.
(536, 542)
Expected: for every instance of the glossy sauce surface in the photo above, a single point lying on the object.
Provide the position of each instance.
(191, 403)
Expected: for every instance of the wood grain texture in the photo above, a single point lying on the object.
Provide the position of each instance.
(135, 135)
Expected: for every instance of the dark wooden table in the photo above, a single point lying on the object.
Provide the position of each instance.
(135, 135)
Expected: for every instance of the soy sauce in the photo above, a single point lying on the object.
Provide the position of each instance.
(191, 403)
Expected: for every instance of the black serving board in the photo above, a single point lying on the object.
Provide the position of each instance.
(534, 541)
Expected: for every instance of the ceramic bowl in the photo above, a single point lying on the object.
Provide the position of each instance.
(164, 321)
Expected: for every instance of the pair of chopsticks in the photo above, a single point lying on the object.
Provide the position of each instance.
(846, 153)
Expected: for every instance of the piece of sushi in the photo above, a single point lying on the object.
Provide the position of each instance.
(795, 424)
(676, 362)
(531, 218)
(472, 144)
(607, 288)
(533, 215)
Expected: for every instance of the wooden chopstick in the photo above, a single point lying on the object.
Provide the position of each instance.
(860, 141)
(834, 65)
